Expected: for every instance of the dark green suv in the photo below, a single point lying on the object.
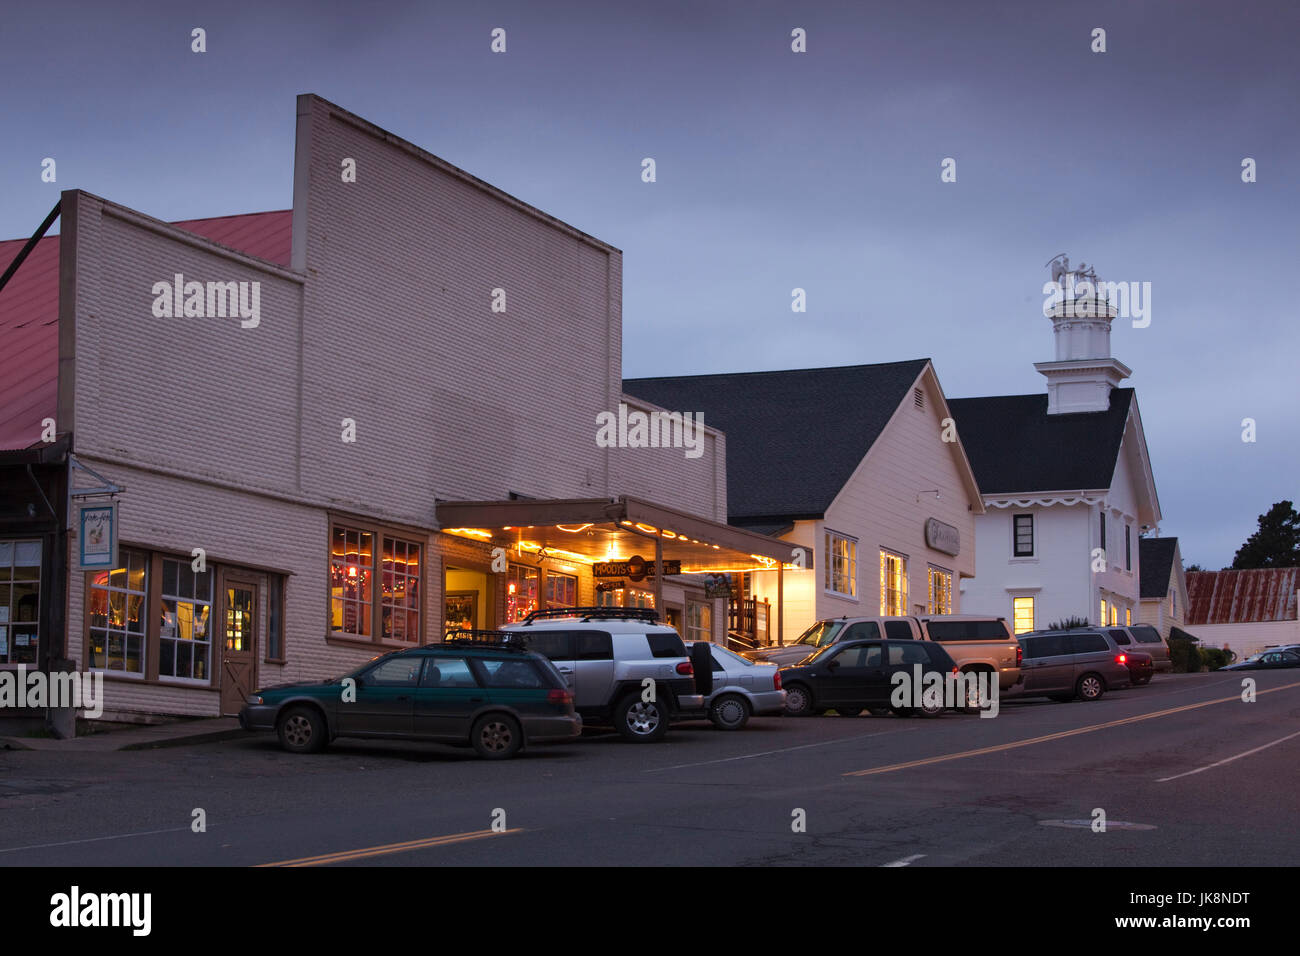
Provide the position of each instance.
(482, 689)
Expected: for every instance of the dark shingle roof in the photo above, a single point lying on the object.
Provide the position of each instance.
(793, 437)
(1014, 445)
(1155, 565)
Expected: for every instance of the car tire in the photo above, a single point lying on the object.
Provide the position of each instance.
(302, 730)
(496, 736)
(1090, 687)
(640, 721)
(974, 708)
(798, 700)
(927, 710)
(729, 712)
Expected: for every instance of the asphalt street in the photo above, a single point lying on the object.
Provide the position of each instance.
(1208, 780)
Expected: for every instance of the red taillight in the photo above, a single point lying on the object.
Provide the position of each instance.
(1020, 655)
(685, 668)
(776, 681)
(558, 696)
(1122, 659)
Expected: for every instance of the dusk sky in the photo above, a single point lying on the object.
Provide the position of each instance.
(777, 170)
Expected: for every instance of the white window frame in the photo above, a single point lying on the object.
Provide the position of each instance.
(209, 601)
(831, 578)
(932, 572)
(1033, 613)
(885, 605)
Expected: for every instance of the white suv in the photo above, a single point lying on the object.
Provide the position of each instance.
(623, 666)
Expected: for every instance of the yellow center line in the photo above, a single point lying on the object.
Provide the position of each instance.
(342, 856)
(1057, 736)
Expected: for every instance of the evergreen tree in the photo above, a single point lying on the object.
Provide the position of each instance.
(1276, 544)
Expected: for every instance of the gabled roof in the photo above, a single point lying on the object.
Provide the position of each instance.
(1015, 446)
(794, 437)
(1236, 597)
(1155, 565)
(29, 314)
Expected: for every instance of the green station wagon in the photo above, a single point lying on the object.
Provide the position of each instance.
(480, 688)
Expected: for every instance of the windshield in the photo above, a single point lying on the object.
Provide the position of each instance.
(729, 656)
(820, 634)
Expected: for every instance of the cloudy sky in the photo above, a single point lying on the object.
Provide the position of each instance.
(778, 170)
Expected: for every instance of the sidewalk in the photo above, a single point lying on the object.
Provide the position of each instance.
(177, 733)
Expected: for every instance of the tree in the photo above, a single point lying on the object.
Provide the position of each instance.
(1192, 567)
(1276, 543)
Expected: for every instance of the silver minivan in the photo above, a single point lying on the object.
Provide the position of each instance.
(1144, 638)
(1081, 663)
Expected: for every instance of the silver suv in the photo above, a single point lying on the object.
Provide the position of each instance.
(623, 666)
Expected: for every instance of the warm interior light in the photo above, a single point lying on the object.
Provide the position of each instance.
(647, 528)
(581, 527)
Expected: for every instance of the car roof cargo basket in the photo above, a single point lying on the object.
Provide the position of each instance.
(647, 614)
(481, 637)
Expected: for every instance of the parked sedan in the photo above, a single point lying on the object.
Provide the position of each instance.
(852, 675)
(741, 687)
(1269, 660)
(1141, 667)
(493, 696)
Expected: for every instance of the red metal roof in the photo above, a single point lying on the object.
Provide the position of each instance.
(29, 314)
(1238, 597)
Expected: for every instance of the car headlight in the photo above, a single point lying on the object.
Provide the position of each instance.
(254, 699)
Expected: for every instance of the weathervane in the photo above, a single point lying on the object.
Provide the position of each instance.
(1060, 266)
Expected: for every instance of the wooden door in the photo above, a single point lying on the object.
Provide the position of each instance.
(242, 606)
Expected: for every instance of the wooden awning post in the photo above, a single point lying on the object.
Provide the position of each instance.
(780, 604)
(659, 581)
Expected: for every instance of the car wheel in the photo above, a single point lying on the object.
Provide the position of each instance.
(972, 704)
(930, 710)
(302, 730)
(641, 721)
(496, 736)
(798, 700)
(729, 712)
(1090, 687)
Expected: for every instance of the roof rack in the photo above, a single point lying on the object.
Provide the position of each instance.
(647, 614)
(502, 640)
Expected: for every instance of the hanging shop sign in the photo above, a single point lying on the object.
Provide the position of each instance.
(717, 586)
(942, 537)
(96, 536)
(635, 568)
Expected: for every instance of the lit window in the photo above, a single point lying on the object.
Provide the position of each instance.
(400, 592)
(117, 615)
(940, 592)
(893, 583)
(521, 592)
(184, 635)
(355, 609)
(1023, 614)
(841, 561)
(20, 600)
(352, 569)
(1114, 615)
(1023, 536)
(699, 621)
(1128, 617)
(561, 590)
(1102, 619)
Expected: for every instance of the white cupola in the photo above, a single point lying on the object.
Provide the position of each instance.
(1083, 373)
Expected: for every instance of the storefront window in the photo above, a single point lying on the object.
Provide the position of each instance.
(561, 590)
(893, 584)
(117, 615)
(699, 621)
(940, 592)
(20, 600)
(400, 620)
(521, 592)
(352, 562)
(184, 638)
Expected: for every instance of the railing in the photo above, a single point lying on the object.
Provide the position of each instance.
(747, 620)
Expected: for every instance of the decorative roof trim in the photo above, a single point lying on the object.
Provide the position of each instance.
(1066, 498)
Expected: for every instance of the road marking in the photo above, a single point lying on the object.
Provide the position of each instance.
(343, 856)
(943, 758)
(118, 836)
(1220, 763)
(905, 861)
(768, 753)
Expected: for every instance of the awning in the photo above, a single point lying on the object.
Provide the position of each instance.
(590, 530)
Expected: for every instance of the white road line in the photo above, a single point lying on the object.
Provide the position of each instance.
(768, 753)
(905, 861)
(120, 836)
(1220, 763)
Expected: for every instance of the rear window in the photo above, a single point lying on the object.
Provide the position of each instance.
(909, 653)
(1088, 643)
(666, 645)
(898, 630)
(516, 673)
(1146, 634)
(592, 646)
(1119, 636)
(988, 630)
